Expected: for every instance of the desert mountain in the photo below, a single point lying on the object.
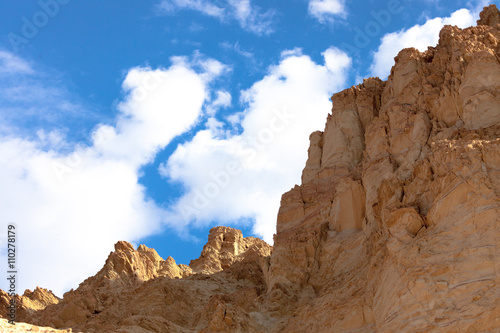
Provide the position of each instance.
(395, 227)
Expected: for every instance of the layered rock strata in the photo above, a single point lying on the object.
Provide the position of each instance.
(395, 227)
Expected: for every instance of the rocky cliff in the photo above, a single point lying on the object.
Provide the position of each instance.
(395, 227)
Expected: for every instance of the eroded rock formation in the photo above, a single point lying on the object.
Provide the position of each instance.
(138, 291)
(395, 227)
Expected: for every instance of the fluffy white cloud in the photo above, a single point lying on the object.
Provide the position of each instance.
(230, 178)
(326, 10)
(249, 17)
(71, 203)
(418, 36)
(222, 100)
(70, 206)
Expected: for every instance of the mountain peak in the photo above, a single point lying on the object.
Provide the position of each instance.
(394, 227)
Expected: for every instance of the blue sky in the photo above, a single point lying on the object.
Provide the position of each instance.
(153, 121)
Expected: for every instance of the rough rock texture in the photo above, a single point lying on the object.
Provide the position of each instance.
(5, 327)
(395, 227)
(138, 291)
(225, 246)
(489, 16)
(28, 303)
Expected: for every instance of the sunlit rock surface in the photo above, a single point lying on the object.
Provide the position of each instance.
(395, 227)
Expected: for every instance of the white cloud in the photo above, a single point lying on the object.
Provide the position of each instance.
(297, 52)
(202, 6)
(250, 18)
(240, 177)
(71, 203)
(243, 52)
(29, 96)
(238, 49)
(222, 100)
(418, 36)
(326, 10)
(70, 207)
(12, 64)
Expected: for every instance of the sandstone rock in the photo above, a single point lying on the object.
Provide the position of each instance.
(348, 207)
(313, 164)
(343, 138)
(405, 223)
(226, 246)
(138, 291)
(5, 327)
(28, 303)
(395, 227)
(489, 16)
(424, 183)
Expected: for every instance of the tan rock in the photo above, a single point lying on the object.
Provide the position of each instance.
(28, 303)
(489, 16)
(226, 246)
(5, 327)
(348, 207)
(395, 227)
(313, 164)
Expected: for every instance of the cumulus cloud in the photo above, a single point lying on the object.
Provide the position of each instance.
(418, 36)
(250, 17)
(239, 177)
(71, 205)
(326, 10)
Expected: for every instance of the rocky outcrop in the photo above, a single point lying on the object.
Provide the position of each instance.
(489, 16)
(138, 291)
(28, 303)
(226, 246)
(395, 227)
(5, 327)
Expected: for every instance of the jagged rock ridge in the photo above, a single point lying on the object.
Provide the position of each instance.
(137, 288)
(395, 227)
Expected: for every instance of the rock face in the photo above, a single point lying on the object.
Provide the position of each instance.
(138, 291)
(5, 327)
(395, 227)
(28, 303)
(226, 246)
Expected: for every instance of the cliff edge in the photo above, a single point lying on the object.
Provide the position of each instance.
(395, 227)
